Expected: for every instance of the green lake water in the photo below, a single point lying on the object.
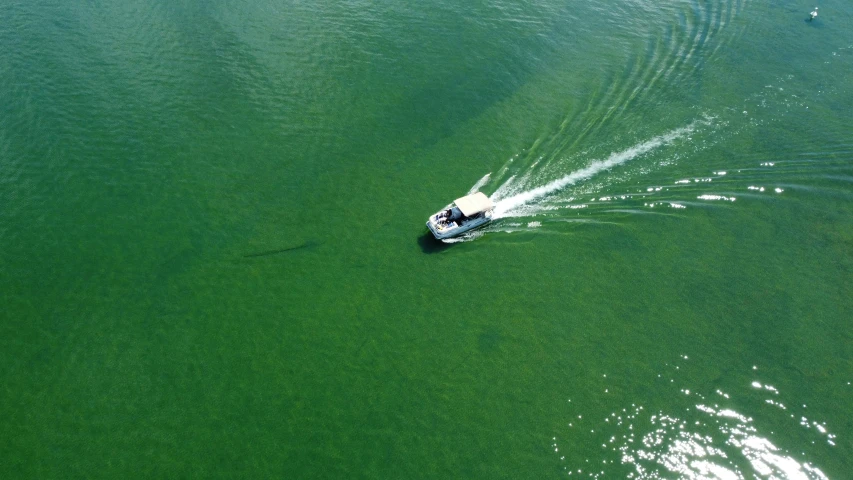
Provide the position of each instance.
(214, 264)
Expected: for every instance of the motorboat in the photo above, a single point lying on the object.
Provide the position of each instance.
(463, 215)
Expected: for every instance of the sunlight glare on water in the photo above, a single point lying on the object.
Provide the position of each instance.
(701, 436)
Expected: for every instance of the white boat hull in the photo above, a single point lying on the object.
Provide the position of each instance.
(443, 230)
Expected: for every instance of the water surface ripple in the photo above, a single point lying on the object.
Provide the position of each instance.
(214, 261)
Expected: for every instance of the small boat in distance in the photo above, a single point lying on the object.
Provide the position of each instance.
(465, 214)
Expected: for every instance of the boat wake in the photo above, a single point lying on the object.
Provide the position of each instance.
(532, 191)
(604, 161)
(515, 199)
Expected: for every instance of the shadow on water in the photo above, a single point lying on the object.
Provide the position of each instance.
(309, 244)
(429, 244)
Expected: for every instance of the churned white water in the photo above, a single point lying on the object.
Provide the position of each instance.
(510, 200)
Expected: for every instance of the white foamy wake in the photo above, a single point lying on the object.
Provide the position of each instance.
(477, 186)
(508, 204)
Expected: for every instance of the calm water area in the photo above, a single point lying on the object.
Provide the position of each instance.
(214, 264)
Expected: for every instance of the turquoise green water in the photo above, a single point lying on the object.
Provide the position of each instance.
(214, 260)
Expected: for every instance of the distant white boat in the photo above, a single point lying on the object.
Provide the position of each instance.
(465, 214)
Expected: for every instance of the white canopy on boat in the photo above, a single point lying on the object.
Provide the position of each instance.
(473, 204)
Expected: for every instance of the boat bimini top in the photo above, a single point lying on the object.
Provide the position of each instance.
(473, 204)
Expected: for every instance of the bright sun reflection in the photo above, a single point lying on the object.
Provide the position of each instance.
(707, 439)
